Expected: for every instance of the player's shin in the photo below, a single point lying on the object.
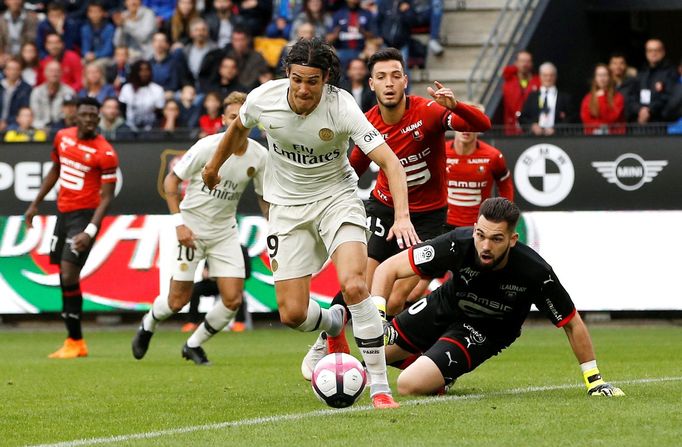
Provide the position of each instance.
(329, 320)
(216, 320)
(369, 336)
(160, 311)
(72, 309)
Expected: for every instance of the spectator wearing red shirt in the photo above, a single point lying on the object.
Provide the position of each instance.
(70, 62)
(212, 121)
(519, 81)
(603, 108)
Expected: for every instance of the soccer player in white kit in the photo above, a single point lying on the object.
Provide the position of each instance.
(206, 227)
(315, 211)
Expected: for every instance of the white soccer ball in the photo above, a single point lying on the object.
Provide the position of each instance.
(338, 380)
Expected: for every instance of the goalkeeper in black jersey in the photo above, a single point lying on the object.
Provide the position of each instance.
(480, 310)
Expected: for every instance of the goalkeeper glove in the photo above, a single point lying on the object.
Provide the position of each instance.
(595, 384)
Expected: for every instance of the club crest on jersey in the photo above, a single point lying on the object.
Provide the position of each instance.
(481, 169)
(183, 267)
(326, 134)
(251, 171)
(87, 157)
(417, 135)
(274, 264)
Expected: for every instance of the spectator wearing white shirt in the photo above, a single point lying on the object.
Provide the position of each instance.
(142, 98)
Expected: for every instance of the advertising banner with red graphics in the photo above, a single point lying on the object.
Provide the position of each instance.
(593, 254)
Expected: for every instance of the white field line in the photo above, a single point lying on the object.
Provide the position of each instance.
(330, 412)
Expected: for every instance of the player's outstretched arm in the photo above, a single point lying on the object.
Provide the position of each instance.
(233, 139)
(466, 117)
(48, 183)
(388, 272)
(171, 188)
(402, 228)
(581, 343)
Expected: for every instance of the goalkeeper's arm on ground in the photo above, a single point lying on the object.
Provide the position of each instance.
(581, 343)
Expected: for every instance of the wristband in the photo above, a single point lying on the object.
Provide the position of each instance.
(91, 230)
(177, 219)
(591, 375)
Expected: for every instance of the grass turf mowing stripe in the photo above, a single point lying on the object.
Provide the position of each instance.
(329, 412)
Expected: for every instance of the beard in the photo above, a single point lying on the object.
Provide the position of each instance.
(496, 261)
(397, 99)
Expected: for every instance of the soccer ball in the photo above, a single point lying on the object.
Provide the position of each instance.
(338, 380)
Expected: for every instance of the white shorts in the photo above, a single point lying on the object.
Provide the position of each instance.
(302, 237)
(223, 255)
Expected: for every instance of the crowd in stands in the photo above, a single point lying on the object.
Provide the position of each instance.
(160, 67)
(618, 96)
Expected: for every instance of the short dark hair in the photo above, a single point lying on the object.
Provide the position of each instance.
(500, 209)
(387, 54)
(88, 101)
(617, 55)
(315, 53)
(97, 3)
(56, 6)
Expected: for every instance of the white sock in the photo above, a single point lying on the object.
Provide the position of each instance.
(216, 320)
(328, 320)
(160, 311)
(369, 335)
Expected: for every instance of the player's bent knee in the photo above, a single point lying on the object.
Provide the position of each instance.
(354, 289)
(232, 300)
(292, 318)
(422, 378)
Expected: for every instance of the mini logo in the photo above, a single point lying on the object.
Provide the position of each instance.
(251, 171)
(326, 134)
(274, 264)
(183, 267)
(544, 174)
(629, 171)
(423, 254)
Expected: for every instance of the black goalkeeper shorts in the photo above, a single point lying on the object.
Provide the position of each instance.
(456, 345)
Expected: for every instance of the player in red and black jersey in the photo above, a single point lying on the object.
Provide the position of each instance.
(414, 127)
(480, 310)
(473, 166)
(85, 165)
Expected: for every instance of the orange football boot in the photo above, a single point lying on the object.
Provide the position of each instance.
(71, 349)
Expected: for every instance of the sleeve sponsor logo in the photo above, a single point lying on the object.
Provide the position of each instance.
(422, 255)
(370, 136)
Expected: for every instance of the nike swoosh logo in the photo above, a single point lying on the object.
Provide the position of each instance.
(275, 127)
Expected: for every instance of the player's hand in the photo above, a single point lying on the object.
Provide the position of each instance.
(81, 242)
(30, 213)
(404, 233)
(443, 95)
(605, 389)
(210, 176)
(185, 236)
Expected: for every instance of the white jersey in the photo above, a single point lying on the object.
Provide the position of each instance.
(307, 158)
(208, 213)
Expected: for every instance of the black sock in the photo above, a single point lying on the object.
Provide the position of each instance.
(241, 314)
(72, 309)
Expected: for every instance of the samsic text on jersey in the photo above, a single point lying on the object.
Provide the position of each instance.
(418, 140)
(498, 299)
(83, 166)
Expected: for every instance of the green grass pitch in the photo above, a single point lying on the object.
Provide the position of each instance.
(254, 395)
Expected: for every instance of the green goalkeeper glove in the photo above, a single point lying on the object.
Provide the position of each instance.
(596, 385)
